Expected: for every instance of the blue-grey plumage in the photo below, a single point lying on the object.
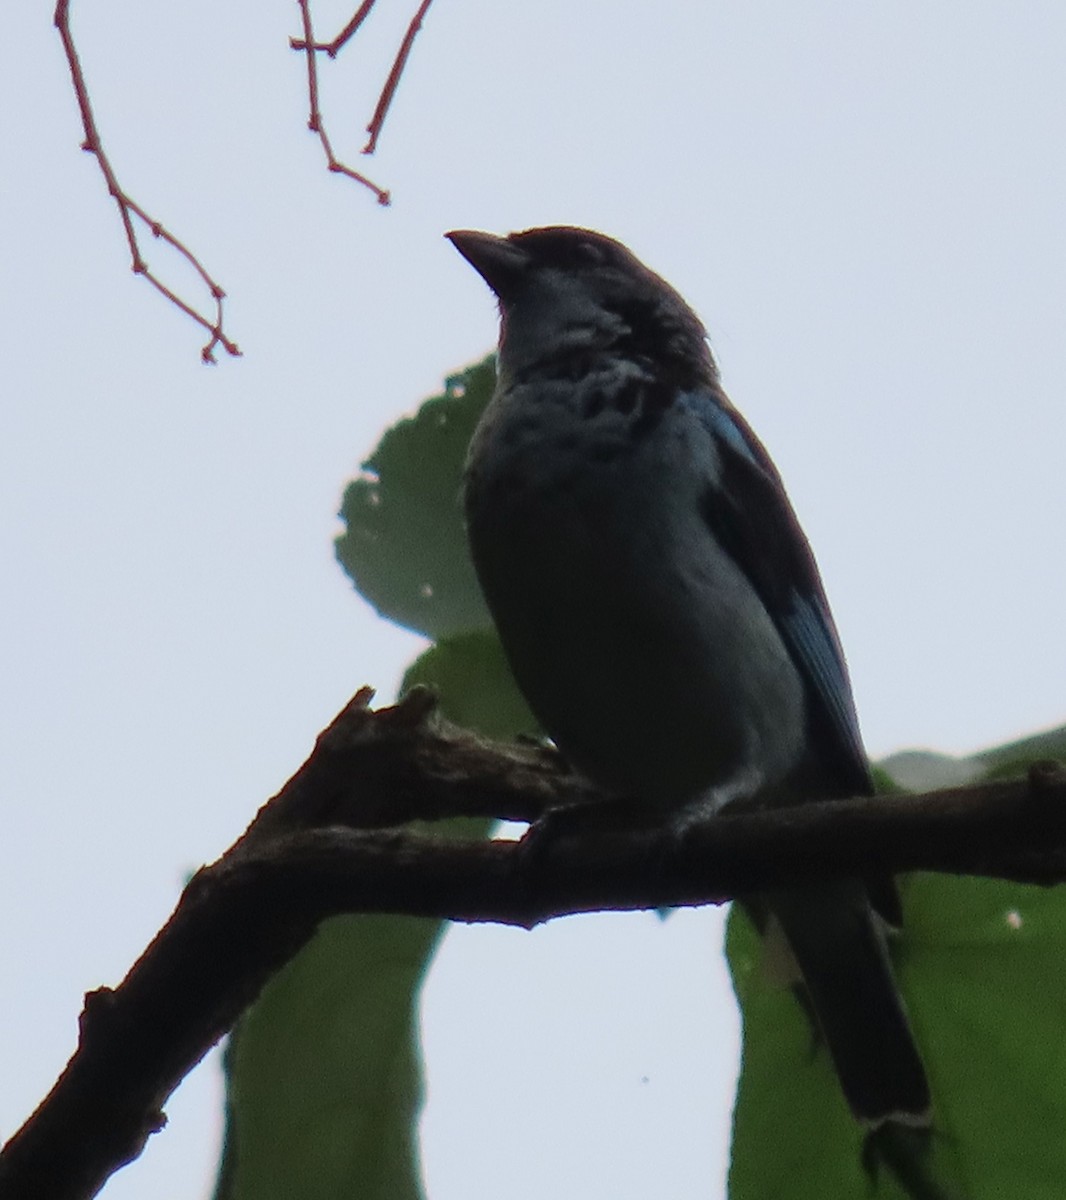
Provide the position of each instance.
(659, 604)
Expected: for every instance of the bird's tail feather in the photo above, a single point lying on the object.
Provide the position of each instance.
(839, 946)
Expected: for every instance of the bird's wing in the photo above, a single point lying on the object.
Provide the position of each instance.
(749, 513)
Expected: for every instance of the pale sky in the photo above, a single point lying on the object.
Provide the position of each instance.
(866, 205)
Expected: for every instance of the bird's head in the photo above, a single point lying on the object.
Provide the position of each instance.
(569, 293)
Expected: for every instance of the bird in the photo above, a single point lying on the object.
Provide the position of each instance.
(633, 539)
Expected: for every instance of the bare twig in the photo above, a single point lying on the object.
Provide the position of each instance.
(388, 92)
(314, 119)
(128, 208)
(323, 846)
(393, 79)
(331, 48)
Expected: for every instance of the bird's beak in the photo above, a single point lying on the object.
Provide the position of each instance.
(500, 262)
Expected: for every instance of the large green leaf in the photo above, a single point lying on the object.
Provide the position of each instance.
(926, 770)
(404, 546)
(1014, 757)
(475, 685)
(324, 1074)
(980, 963)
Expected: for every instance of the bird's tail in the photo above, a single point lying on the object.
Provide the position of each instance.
(839, 946)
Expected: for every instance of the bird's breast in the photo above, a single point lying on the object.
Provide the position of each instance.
(636, 639)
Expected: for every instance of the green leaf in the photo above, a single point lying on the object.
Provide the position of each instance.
(1015, 757)
(980, 964)
(475, 685)
(404, 546)
(324, 1072)
(792, 1133)
(324, 1076)
(925, 770)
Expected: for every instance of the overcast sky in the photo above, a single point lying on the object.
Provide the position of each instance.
(866, 205)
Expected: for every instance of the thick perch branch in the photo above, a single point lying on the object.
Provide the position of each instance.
(328, 844)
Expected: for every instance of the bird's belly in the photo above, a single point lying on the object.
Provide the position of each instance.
(637, 641)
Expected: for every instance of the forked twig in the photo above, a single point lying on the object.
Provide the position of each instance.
(331, 48)
(312, 48)
(315, 123)
(128, 207)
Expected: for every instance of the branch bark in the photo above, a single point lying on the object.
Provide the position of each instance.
(330, 843)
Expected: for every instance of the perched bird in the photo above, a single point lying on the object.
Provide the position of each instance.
(634, 542)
